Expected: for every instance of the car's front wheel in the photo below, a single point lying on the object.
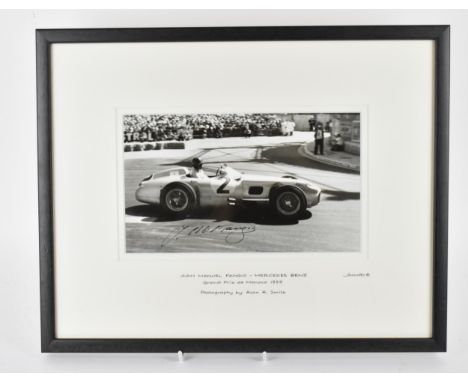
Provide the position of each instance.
(177, 201)
(288, 203)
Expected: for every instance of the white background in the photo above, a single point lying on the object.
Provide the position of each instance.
(19, 321)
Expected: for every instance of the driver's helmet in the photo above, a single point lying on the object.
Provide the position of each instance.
(197, 163)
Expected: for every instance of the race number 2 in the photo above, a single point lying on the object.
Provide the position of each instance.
(221, 189)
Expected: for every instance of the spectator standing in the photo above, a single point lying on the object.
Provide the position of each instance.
(247, 131)
(319, 136)
(312, 123)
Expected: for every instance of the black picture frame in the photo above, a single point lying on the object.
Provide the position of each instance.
(440, 34)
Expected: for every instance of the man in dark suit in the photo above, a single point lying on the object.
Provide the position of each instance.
(319, 135)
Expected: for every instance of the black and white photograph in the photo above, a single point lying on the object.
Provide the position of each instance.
(242, 182)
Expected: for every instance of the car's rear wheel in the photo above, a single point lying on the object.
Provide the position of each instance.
(288, 203)
(177, 200)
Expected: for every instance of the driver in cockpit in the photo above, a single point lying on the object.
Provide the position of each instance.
(197, 171)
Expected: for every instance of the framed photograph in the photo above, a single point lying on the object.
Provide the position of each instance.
(251, 189)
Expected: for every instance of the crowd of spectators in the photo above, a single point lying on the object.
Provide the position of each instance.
(164, 127)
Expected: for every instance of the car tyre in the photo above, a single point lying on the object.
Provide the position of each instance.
(177, 200)
(288, 203)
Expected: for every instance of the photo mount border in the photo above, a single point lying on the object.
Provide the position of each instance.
(440, 34)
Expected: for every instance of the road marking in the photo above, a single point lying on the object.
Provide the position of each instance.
(196, 155)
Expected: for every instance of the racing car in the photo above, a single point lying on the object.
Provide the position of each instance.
(178, 193)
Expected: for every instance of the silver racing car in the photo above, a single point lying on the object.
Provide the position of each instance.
(178, 192)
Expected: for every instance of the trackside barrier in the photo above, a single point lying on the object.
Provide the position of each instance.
(146, 146)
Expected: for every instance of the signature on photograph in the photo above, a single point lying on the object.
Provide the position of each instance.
(233, 234)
